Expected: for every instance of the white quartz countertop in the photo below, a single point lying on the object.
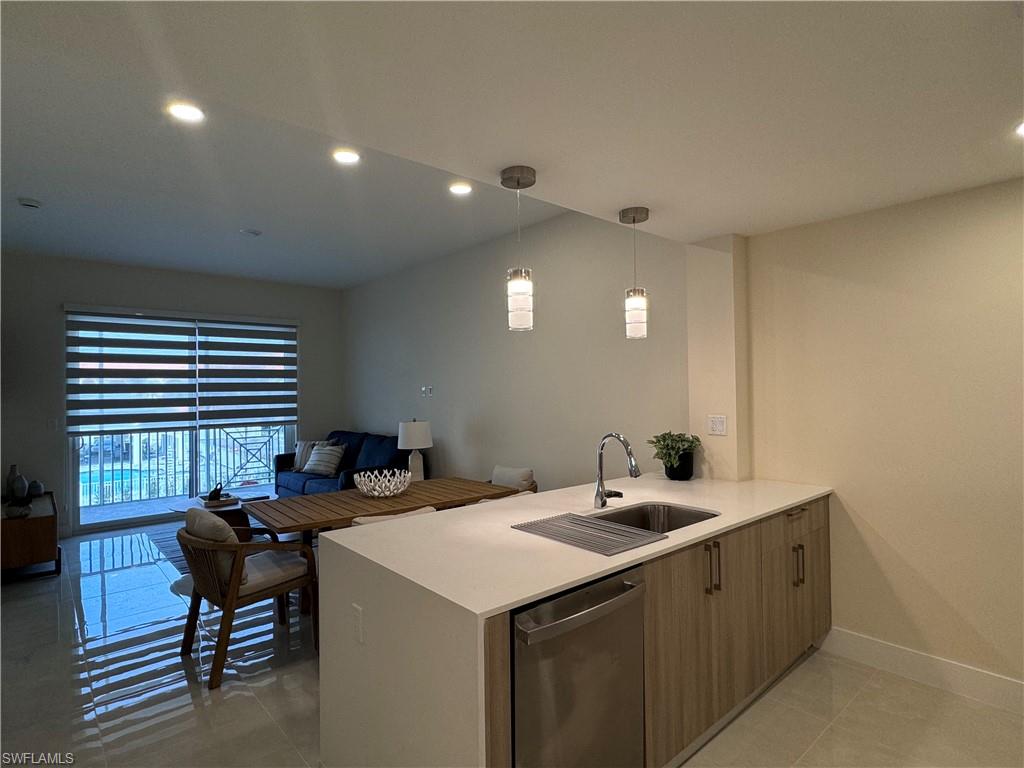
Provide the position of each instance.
(472, 557)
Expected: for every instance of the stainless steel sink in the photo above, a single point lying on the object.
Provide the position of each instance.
(659, 518)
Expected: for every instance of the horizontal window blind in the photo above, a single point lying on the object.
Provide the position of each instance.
(129, 372)
(247, 374)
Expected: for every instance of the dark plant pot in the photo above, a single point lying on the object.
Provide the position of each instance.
(683, 470)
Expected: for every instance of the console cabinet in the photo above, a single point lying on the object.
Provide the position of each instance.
(727, 615)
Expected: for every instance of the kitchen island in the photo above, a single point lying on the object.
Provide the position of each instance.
(414, 613)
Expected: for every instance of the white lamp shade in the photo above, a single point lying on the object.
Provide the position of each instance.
(519, 288)
(413, 435)
(636, 313)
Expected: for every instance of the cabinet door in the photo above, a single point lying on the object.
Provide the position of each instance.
(818, 582)
(678, 665)
(738, 629)
(785, 623)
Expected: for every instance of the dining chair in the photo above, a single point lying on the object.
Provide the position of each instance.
(520, 478)
(232, 574)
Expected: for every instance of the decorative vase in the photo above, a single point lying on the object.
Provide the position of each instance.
(19, 488)
(9, 485)
(683, 470)
(35, 489)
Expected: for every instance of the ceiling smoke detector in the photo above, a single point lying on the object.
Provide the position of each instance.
(251, 232)
(29, 202)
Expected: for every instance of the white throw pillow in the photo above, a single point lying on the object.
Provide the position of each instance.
(513, 477)
(203, 524)
(324, 460)
(303, 449)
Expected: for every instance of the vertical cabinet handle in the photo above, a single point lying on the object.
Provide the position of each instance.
(718, 559)
(803, 564)
(710, 588)
(796, 565)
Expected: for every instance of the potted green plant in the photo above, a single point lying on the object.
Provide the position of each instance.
(675, 450)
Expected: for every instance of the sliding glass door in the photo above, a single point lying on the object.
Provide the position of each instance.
(160, 409)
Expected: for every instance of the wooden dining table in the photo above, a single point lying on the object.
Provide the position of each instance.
(323, 511)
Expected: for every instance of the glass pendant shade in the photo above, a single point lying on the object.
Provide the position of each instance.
(636, 313)
(519, 286)
(636, 298)
(519, 280)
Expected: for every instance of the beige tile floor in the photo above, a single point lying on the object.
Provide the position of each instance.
(90, 665)
(830, 711)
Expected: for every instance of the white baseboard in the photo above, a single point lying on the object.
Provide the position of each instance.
(988, 687)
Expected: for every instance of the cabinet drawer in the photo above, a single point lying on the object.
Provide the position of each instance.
(793, 523)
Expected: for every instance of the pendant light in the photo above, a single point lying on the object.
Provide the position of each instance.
(519, 280)
(636, 297)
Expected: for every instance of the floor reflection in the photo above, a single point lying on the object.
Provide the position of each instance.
(91, 665)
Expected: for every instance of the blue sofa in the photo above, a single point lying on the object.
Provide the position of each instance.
(363, 452)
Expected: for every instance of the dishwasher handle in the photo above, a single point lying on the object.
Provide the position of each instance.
(529, 633)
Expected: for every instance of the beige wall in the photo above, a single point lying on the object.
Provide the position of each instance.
(718, 354)
(34, 289)
(886, 362)
(540, 399)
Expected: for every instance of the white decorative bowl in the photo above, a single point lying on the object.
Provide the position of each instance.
(383, 482)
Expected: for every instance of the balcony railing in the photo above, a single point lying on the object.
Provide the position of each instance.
(142, 466)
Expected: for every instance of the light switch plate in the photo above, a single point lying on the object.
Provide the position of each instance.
(717, 425)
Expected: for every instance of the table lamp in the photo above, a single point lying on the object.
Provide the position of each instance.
(413, 435)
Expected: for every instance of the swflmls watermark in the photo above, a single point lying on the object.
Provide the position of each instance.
(37, 758)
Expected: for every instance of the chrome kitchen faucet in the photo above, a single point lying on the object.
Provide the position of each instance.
(601, 496)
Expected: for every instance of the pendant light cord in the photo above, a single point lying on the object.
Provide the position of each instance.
(518, 229)
(634, 252)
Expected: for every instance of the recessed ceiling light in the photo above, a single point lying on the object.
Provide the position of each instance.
(346, 156)
(186, 112)
(460, 188)
(1020, 130)
(251, 232)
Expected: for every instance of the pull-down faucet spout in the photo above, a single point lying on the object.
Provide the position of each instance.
(601, 495)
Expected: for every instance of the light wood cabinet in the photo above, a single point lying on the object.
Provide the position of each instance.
(819, 583)
(724, 617)
(783, 609)
(796, 584)
(737, 627)
(678, 664)
(703, 638)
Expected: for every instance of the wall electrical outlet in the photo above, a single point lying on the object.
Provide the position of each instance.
(717, 425)
(357, 616)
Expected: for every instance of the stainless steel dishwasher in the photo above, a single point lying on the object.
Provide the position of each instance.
(579, 677)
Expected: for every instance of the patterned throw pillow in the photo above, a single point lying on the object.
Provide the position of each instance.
(303, 449)
(324, 460)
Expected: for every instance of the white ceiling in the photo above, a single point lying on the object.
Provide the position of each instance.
(722, 117)
(122, 182)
